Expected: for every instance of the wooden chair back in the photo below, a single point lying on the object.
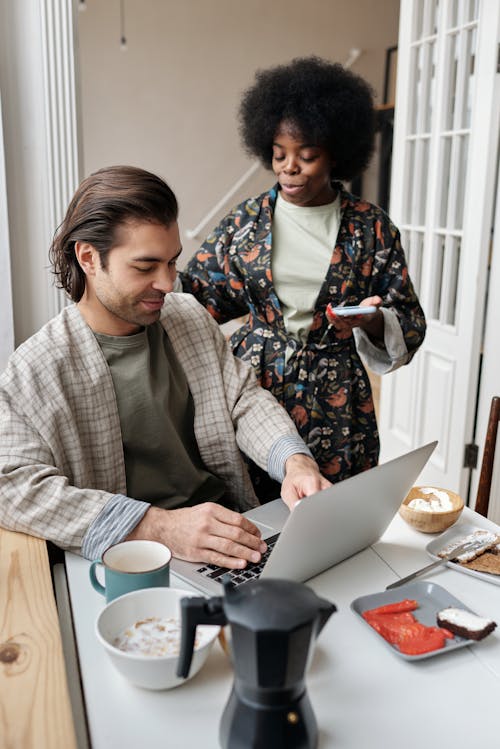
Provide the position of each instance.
(484, 487)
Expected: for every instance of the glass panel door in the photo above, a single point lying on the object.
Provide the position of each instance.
(446, 131)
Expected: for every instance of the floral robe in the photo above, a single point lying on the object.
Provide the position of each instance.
(323, 385)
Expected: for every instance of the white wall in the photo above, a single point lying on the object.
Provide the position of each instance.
(168, 103)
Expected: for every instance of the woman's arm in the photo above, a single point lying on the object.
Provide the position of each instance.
(402, 330)
(213, 277)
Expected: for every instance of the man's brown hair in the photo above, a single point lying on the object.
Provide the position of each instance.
(104, 202)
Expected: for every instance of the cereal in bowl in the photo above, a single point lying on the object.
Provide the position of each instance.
(152, 636)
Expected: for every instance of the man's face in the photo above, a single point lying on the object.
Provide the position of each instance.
(129, 293)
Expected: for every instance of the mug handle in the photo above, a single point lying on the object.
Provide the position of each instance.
(93, 577)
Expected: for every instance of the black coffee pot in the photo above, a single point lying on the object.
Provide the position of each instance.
(273, 627)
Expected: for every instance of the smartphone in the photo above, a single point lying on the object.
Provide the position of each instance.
(348, 311)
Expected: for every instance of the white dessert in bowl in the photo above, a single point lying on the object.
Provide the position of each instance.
(431, 509)
(432, 500)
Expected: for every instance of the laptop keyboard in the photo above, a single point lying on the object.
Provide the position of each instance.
(238, 577)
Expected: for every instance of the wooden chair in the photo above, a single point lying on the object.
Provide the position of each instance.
(483, 492)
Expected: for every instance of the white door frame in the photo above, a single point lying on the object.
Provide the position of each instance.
(435, 396)
(42, 164)
(6, 317)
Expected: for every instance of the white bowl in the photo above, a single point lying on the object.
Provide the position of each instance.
(150, 671)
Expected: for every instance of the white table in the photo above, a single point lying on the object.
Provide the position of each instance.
(363, 694)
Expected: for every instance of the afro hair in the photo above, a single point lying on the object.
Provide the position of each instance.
(327, 104)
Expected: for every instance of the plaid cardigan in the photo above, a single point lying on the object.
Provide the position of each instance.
(61, 453)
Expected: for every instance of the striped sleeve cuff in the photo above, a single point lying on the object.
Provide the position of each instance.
(120, 516)
(282, 449)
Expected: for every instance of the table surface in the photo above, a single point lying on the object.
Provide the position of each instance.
(35, 711)
(363, 694)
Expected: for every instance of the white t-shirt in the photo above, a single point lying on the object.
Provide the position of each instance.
(303, 242)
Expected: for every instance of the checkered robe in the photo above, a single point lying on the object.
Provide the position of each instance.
(61, 453)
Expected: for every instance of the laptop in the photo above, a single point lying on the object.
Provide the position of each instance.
(323, 529)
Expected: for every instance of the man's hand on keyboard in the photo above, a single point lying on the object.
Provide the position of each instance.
(205, 533)
(302, 478)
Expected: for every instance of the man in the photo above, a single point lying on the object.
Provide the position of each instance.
(124, 416)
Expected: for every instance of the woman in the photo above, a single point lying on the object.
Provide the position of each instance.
(284, 256)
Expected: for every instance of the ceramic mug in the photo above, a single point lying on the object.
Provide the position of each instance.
(132, 565)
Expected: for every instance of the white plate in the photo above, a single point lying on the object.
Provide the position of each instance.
(457, 531)
(431, 598)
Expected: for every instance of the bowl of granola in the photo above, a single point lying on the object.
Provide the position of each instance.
(141, 633)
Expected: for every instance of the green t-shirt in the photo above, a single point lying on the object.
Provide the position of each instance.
(162, 460)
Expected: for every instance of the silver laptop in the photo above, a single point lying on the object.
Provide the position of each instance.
(323, 529)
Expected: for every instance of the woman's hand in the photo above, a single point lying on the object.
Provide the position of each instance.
(373, 324)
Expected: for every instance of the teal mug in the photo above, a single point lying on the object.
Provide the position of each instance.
(132, 565)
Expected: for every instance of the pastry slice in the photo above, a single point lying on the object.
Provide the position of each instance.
(487, 562)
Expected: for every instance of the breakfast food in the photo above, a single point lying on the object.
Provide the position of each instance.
(488, 562)
(465, 623)
(483, 539)
(153, 636)
(434, 500)
(396, 623)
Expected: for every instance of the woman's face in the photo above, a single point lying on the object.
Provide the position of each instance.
(303, 169)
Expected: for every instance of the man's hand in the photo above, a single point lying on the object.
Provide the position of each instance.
(206, 533)
(302, 477)
(372, 324)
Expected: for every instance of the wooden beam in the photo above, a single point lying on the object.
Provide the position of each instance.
(35, 711)
(484, 487)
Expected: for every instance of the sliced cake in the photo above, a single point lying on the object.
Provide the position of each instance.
(464, 623)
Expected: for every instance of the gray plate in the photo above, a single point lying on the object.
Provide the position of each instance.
(431, 599)
(460, 531)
